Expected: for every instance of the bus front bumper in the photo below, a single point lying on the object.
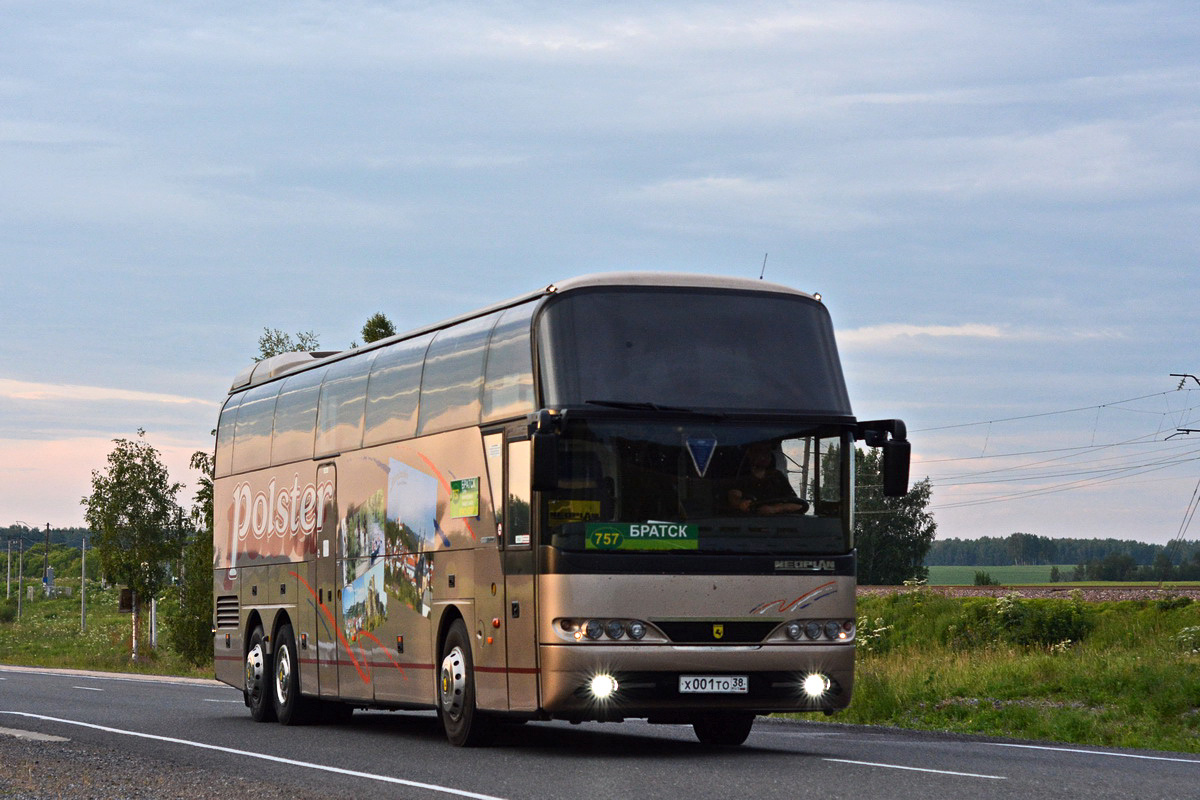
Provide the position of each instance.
(669, 682)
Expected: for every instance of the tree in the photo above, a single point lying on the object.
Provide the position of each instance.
(892, 534)
(136, 524)
(189, 628)
(377, 327)
(274, 341)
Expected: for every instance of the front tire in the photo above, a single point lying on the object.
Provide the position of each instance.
(723, 730)
(464, 724)
(258, 672)
(291, 708)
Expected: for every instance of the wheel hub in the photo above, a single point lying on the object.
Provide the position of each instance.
(283, 676)
(254, 671)
(452, 686)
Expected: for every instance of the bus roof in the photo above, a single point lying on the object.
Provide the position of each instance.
(287, 363)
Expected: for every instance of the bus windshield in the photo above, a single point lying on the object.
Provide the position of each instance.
(708, 486)
(704, 349)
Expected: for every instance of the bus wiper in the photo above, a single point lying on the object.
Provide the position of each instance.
(632, 405)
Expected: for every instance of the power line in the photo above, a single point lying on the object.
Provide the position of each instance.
(1046, 413)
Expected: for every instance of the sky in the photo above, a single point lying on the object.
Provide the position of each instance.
(998, 203)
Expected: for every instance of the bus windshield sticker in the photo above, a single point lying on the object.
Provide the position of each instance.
(572, 511)
(701, 449)
(642, 536)
(464, 498)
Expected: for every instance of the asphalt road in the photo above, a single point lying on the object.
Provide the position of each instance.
(202, 727)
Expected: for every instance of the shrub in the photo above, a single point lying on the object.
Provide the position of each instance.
(1172, 602)
(984, 579)
(1012, 619)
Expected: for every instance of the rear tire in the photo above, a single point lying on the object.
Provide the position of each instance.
(728, 729)
(258, 677)
(291, 707)
(464, 724)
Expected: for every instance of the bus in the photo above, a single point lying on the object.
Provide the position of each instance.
(621, 496)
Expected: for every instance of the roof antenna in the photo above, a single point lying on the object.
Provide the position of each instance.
(764, 267)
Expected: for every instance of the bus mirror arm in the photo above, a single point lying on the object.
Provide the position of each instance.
(545, 454)
(897, 452)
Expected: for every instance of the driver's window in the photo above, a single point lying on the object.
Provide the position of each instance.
(798, 458)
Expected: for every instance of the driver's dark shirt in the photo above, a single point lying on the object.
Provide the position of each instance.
(771, 486)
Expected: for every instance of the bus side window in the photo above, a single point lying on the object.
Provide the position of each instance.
(517, 502)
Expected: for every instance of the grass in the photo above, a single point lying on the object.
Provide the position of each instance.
(49, 635)
(1008, 575)
(1014, 575)
(953, 665)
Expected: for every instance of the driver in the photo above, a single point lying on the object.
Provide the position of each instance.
(764, 490)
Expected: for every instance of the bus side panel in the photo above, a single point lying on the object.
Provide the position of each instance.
(416, 533)
(466, 571)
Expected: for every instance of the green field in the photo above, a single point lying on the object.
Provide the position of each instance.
(1007, 575)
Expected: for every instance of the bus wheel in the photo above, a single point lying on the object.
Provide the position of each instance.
(290, 707)
(725, 730)
(465, 725)
(258, 668)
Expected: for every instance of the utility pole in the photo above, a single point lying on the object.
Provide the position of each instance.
(8, 575)
(46, 563)
(83, 586)
(20, 576)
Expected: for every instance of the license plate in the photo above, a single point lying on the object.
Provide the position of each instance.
(713, 684)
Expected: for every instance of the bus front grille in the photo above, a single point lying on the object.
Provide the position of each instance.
(716, 631)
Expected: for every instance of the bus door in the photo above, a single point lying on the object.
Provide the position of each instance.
(520, 574)
(328, 607)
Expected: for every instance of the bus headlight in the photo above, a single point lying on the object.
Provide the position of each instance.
(593, 629)
(615, 629)
(603, 686)
(794, 630)
(636, 630)
(815, 685)
(832, 629)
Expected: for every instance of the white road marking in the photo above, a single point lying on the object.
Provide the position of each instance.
(433, 787)
(918, 769)
(88, 688)
(213, 700)
(1094, 752)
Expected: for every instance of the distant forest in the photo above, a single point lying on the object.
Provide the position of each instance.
(1092, 559)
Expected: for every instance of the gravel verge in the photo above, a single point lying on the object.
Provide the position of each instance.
(52, 768)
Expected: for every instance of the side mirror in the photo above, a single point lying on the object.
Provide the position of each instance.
(545, 454)
(896, 455)
(896, 452)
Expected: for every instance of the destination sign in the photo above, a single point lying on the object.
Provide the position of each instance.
(642, 536)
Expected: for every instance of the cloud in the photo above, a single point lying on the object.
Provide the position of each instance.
(27, 390)
(886, 334)
(892, 333)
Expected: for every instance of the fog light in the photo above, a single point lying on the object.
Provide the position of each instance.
(603, 687)
(815, 685)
